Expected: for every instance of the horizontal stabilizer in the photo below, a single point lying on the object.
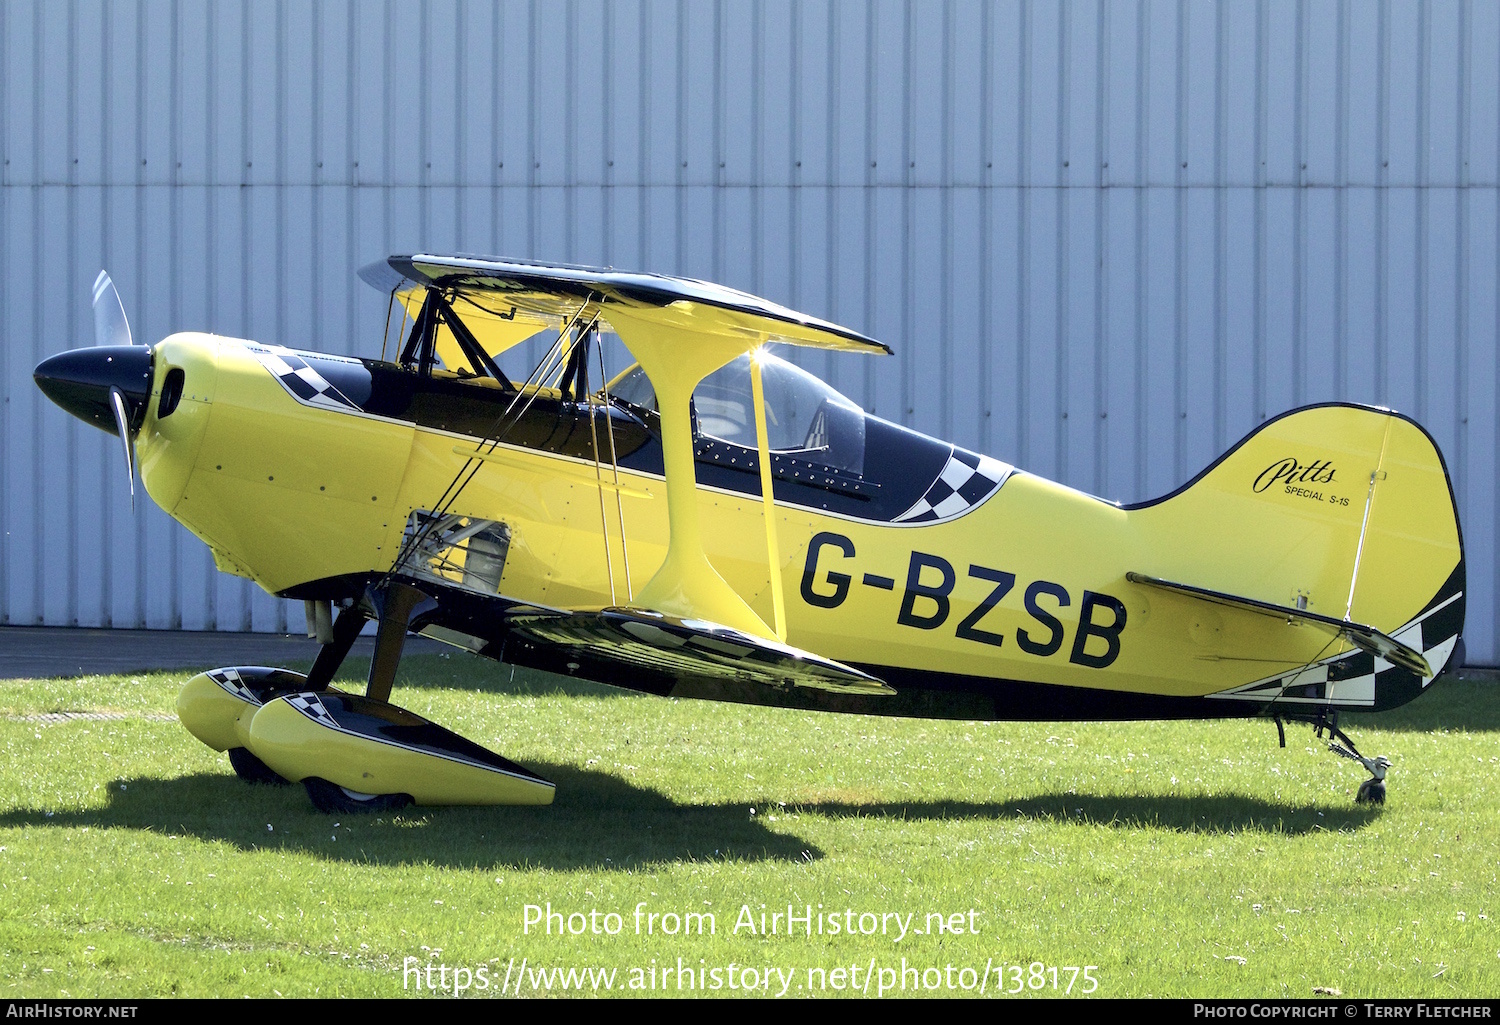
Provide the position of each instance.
(1361, 636)
(690, 649)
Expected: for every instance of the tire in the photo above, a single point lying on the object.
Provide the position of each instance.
(330, 798)
(252, 770)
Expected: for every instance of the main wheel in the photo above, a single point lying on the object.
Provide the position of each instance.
(252, 770)
(330, 797)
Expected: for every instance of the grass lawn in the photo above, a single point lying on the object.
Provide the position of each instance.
(1138, 859)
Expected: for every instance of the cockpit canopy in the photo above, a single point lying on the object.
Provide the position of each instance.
(805, 418)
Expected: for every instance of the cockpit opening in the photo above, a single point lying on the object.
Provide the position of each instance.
(453, 335)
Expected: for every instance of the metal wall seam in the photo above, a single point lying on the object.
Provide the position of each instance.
(1100, 164)
(1461, 259)
(8, 414)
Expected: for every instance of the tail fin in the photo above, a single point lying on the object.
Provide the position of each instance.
(1341, 511)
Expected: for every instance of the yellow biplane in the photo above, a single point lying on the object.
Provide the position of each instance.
(714, 522)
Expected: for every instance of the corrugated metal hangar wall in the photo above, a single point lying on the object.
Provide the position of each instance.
(1106, 239)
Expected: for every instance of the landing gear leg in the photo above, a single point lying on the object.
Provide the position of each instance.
(396, 604)
(1372, 790)
(345, 629)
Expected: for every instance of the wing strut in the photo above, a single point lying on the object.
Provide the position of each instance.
(614, 465)
(675, 359)
(768, 496)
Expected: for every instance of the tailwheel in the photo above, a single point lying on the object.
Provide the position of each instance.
(1372, 790)
(330, 798)
(252, 770)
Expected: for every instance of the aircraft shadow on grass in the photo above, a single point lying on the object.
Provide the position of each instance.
(1186, 814)
(600, 821)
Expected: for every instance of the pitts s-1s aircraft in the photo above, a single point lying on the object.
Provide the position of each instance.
(714, 522)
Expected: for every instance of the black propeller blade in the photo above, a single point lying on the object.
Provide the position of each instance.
(109, 385)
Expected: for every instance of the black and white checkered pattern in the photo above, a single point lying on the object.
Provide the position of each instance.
(309, 705)
(966, 481)
(1354, 678)
(230, 680)
(304, 383)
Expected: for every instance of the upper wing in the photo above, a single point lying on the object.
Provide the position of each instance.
(544, 295)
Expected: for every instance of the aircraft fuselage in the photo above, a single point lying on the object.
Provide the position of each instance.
(305, 472)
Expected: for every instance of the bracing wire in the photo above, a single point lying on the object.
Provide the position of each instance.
(499, 429)
(609, 559)
(614, 463)
(386, 339)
